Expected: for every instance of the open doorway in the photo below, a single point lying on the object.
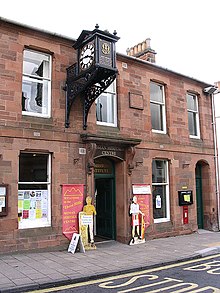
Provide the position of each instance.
(105, 199)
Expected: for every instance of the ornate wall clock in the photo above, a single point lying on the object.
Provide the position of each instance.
(87, 56)
(94, 71)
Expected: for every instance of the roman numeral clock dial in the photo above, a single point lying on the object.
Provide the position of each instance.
(87, 56)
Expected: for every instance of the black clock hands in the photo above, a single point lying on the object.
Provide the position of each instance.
(85, 57)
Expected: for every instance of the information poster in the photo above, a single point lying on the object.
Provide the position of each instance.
(32, 207)
(143, 192)
(72, 199)
(2, 202)
(76, 241)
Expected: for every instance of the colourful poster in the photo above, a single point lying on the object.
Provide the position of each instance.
(32, 204)
(38, 214)
(26, 194)
(72, 196)
(44, 213)
(143, 200)
(26, 204)
(38, 204)
(32, 214)
(25, 214)
(2, 201)
(20, 205)
(20, 195)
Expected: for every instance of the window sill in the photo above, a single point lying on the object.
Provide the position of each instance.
(106, 124)
(31, 226)
(37, 119)
(163, 220)
(158, 131)
(30, 114)
(194, 137)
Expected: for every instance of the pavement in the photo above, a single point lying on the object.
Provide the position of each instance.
(27, 271)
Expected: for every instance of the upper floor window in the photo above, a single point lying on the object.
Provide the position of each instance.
(157, 107)
(106, 107)
(193, 115)
(160, 191)
(36, 84)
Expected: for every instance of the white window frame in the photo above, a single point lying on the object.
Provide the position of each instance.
(109, 93)
(167, 188)
(38, 79)
(196, 113)
(38, 223)
(164, 131)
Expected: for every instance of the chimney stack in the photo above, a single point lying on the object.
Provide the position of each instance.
(217, 84)
(143, 51)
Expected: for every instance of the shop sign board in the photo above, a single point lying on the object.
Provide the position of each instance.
(76, 241)
(141, 189)
(143, 192)
(72, 200)
(86, 219)
(109, 150)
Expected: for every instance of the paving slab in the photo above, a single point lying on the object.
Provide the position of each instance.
(22, 272)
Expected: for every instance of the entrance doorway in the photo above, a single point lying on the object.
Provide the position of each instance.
(105, 198)
(199, 198)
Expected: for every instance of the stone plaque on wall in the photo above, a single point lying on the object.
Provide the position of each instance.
(136, 101)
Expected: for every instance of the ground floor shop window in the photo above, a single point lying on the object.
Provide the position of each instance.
(34, 205)
(160, 188)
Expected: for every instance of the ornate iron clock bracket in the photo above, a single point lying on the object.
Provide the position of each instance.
(75, 85)
(92, 93)
(89, 87)
(72, 91)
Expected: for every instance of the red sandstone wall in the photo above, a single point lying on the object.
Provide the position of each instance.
(17, 133)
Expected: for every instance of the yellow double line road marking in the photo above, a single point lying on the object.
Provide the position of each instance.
(121, 276)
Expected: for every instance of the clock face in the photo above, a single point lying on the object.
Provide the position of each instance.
(87, 56)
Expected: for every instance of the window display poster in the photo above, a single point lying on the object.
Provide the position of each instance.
(32, 205)
(72, 200)
(2, 202)
(158, 202)
(143, 200)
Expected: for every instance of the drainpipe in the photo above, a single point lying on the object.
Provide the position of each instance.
(216, 156)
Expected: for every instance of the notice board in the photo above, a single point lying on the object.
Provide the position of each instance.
(72, 204)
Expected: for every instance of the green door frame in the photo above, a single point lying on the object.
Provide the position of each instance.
(112, 177)
(199, 199)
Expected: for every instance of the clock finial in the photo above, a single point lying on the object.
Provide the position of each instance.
(97, 26)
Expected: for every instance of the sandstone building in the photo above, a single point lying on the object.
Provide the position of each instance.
(151, 126)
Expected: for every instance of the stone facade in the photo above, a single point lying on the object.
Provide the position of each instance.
(133, 133)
